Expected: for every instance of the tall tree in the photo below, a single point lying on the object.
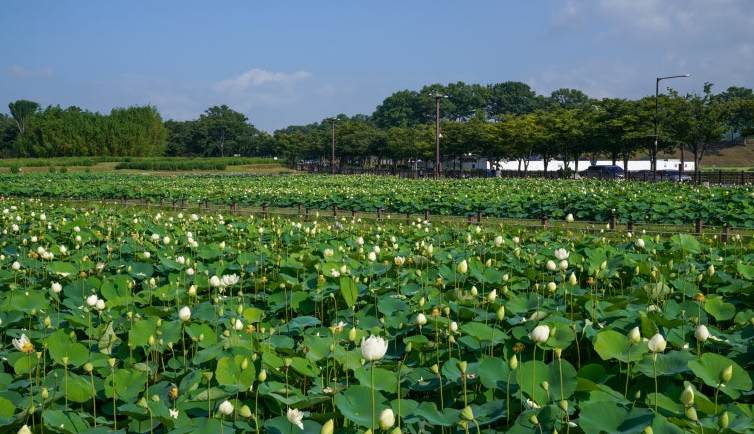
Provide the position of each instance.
(21, 110)
(698, 122)
(511, 97)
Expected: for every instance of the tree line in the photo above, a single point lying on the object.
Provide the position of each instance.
(498, 121)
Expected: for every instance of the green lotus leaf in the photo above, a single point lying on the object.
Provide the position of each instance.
(598, 418)
(355, 403)
(305, 367)
(65, 421)
(445, 417)
(281, 425)
(384, 380)
(530, 375)
(613, 345)
(230, 372)
(493, 373)
(721, 310)
(348, 290)
(709, 368)
(141, 270)
(129, 384)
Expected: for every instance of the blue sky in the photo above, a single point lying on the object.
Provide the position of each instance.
(295, 62)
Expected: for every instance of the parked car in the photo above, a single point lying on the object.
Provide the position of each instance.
(673, 176)
(607, 171)
(661, 175)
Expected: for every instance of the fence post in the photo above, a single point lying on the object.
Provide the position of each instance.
(544, 221)
(335, 210)
(123, 200)
(612, 222)
(175, 206)
(264, 210)
(379, 213)
(233, 208)
(183, 203)
(726, 233)
(426, 215)
(307, 214)
(470, 219)
(353, 214)
(478, 216)
(631, 227)
(698, 225)
(408, 217)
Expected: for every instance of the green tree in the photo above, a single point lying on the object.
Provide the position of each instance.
(21, 110)
(221, 131)
(511, 97)
(698, 122)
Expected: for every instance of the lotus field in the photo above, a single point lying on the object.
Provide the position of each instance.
(144, 319)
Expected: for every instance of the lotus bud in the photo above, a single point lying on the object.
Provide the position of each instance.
(151, 340)
(563, 405)
(558, 353)
(387, 419)
(421, 319)
(648, 430)
(726, 374)
(513, 363)
(634, 336)
(545, 385)
(691, 414)
(533, 420)
(88, 367)
(492, 296)
(262, 376)
(47, 321)
(467, 413)
(551, 287)
(724, 420)
(572, 279)
(701, 333)
(462, 366)
(474, 291)
(500, 314)
(244, 364)
(45, 393)
(352, 334)
(244, 411)
(328, 427)
(711, 270)
(463, 267)
(434, 368)
(111, 362)
(687, 396)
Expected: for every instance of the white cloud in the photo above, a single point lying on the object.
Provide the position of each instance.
(255, 78)
(21, 72)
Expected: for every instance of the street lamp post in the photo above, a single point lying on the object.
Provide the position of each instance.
(657, 112)
(437, 98)
(332, 160)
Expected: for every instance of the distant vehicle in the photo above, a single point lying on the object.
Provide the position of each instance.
(673, 176)
(669, 175)
(607, 171)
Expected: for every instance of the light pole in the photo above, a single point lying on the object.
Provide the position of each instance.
(657, 112)
(437, 98)
(332, 160)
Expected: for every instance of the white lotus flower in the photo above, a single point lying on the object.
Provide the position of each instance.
(229, 280)
(399, 260)
(24, 430)
(23, 344)
(569, 218)
(373, 348)
(226, 408)
(550, 265)
(540, 334)
(371, 256)
(421, 319)
(657, 343)
(463, 267)
(214, 281)
(701, 333)
(295, 417)
(184, 314)
(562, 254)
(640, 243)
(687, 396)
(56, 287)
(387, 419)
(92, 300)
